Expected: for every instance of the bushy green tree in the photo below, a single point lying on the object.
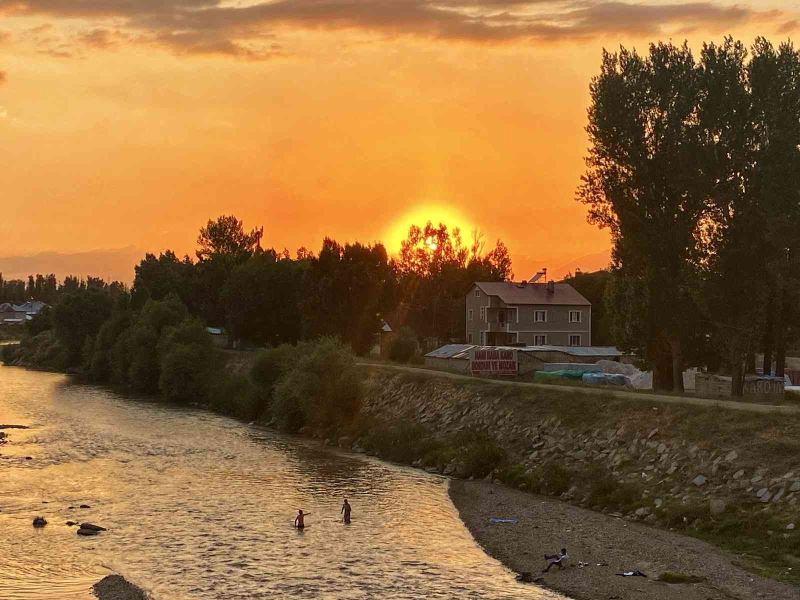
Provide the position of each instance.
(77, 316)
(346, 290)
(644, 183)
(435, 270)
(262, 300)
(187, 363)
(157, 277)
(323, 389)
(404, 347)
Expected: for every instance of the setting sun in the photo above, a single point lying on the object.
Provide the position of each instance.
(420, 215)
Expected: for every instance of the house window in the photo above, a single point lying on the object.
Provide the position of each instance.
(483, 338)
(540, 316)
(575, 316)
(483, 313)
(469, 338)
(575, 340)
(477, 293)
(540, 340)
(469, 314)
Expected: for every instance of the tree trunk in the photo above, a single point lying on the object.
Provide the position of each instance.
(780, 354)
(750, 363)
(737, 376)
(779, 335)
(661, 358)
(677, 364)
(768, 339)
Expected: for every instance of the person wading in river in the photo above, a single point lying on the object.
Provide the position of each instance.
(346, 511)
(298, 520)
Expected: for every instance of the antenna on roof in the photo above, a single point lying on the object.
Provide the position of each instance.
(539, 275)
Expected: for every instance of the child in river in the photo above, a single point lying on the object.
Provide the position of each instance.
(298, 520)
(346, 511)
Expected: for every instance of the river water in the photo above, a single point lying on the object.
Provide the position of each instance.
(199, 506)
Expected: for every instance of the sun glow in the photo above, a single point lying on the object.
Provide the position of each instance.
(420, 215)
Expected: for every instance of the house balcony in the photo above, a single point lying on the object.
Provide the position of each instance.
(499, 326)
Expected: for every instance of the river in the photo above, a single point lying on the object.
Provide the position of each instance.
(199, 506)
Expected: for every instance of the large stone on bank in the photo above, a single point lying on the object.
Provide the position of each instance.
(717, 506)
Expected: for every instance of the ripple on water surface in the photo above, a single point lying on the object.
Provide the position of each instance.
(201, 507)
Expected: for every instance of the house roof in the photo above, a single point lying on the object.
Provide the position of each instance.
(462, 350)
(32, 307)
(450, 351)
(512, 292)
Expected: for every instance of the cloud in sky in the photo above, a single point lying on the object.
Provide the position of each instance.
(247, 30)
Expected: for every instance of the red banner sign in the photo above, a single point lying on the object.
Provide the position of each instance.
(493, 361)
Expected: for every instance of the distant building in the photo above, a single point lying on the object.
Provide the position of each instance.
(17, 314)
(218, 336)
(501, 313)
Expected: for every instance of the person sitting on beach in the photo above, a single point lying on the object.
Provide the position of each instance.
(556, 559)
(298, 520)
(346, 511)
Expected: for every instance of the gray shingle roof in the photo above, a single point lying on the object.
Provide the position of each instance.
(533, 293)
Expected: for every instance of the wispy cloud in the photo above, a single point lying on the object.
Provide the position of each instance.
(246, 31)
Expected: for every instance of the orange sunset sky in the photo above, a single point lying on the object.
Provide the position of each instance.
(126, 124)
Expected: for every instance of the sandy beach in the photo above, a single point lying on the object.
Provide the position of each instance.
(545, 525)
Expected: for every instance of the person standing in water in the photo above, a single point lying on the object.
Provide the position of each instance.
(346, 511)
(298, 520)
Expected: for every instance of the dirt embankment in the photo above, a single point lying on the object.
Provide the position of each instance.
(609, 545)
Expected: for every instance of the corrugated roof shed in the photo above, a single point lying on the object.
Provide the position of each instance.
(462, 350)
(575, 350)
(533, 293)
(449, 350)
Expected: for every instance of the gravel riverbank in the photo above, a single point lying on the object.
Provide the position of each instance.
(545, 525)
(116, 587)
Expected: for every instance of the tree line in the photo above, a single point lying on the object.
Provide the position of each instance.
(45, 287)
(262, 297)
(694, 167)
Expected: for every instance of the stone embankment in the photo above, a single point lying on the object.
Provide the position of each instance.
(670, 464)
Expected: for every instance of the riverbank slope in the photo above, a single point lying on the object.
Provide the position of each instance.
(727, 477)
(545, 525)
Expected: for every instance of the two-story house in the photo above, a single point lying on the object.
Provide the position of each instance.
(535, 314)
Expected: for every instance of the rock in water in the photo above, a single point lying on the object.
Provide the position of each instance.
(92, 527)
(115, 587)
(39, 522)
(87, 532)
(526, 577)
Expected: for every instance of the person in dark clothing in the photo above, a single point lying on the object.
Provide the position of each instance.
(556, 559)
(346, 511)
